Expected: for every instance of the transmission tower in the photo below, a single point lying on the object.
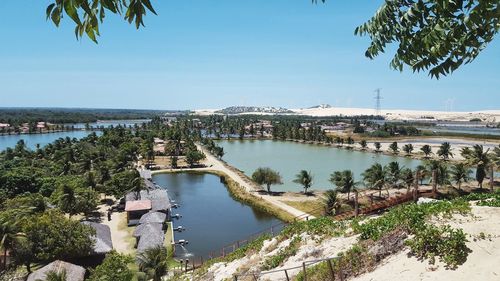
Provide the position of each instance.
(378, 98)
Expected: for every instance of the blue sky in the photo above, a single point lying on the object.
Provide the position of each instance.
(217, 53)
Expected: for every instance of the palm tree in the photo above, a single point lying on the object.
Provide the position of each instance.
(445, 151)
(479, 158)
(331, 202)
(339, 141)
(408, 149)
(460, 173)
(496, 156)
(9, 236)
(67, 200)
(363, 144)
(153, 262)
(394, 147)
(377, 146)
(344, 181)
(422, 173)
(442, 171)
(55, 276)
(375, 178)
(393, 173)
(427, 150)
(407, 177)
(350, 142)
(305, 179)
(138, 186)
(266, 176)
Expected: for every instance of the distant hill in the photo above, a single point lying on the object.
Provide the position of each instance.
(251, 109)
(325, 105)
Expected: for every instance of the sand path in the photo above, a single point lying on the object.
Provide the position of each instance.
(214, 164)
(118, 226)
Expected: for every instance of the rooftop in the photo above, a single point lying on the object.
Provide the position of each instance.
(73, 272)
(137, 205)
(150, 240)
(103, 242)
(153, 217)
(141, 229)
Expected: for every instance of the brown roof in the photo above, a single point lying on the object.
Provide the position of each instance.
(139, 205)
(73, 272)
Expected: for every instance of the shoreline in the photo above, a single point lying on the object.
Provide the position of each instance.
(416, 155)
(243, 189)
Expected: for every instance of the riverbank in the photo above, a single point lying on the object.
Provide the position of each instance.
(418, 142)
(244, 189)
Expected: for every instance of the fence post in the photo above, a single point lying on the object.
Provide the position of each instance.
(356, 206)
(330, 266)
(415, 191)
(286, 274)
(304, 270)
(434, 182)
(341, 273)
(492, 178)
(272, 231)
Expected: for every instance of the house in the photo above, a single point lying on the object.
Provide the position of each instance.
(149, 240)
(103, 243)
(160, 202)
(136, 209)
(153, 217)
(73, 272)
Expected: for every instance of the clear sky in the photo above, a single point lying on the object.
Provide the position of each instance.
(216, 53)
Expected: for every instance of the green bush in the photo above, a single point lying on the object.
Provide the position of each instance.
(276, 260)
(444, 242)
(324, 226)
(407, 217)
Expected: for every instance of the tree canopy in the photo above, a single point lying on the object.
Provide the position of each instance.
(433, 35)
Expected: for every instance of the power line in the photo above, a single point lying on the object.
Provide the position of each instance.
(378, 99)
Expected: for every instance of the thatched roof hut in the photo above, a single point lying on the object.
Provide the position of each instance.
(103, 243)
(153, 217)
(147, 227)
(150, 240)
(73, 272)
(158, 197)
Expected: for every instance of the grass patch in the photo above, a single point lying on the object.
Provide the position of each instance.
(312, 207)
(250, 248)
(129, 239)
(319, 227)
(408, 217)
(276, 260)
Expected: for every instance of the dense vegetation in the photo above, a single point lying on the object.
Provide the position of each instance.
(44, 193)
(17, 116)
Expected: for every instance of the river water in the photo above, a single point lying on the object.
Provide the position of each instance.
(288, 158)
(212, 218)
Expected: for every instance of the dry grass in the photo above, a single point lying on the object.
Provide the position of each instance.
(129, 239)
(313, 207)
(164, 161)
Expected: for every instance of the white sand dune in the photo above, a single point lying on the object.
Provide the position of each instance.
(389, 114)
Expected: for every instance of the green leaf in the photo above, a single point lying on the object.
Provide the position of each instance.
(70, 9)
(56, 16)
(49, 10)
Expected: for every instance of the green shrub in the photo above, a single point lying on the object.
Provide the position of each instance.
(322, 227)
(276, 260)
(407, 217)
(444, 242)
